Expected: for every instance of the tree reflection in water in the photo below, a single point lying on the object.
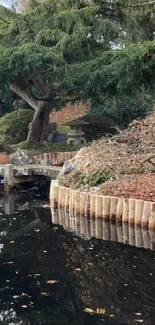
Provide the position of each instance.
(52, 276)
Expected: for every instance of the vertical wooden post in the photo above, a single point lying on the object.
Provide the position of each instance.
(98, 206)
(55, 216)
(113, 205)
(106, 208)
(61, 199)
(131, 211)
(119, 210)
(8, 178)
(92, 214)
(92, 205)
(152, 217)
(125, 215)
(146, 214)
(138, 212)
(54, 194)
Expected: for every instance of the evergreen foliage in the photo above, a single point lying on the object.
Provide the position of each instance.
(14, 125)
(59, 51)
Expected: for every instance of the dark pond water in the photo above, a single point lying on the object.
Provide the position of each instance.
(50, 274)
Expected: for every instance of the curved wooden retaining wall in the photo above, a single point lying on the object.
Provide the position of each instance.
(53, 158)
(132, 211)
(87, 227)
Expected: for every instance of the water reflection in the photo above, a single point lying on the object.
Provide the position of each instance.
(87, 227)
(50, 276)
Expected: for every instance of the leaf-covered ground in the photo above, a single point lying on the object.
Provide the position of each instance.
(132, 186)
(130, 155)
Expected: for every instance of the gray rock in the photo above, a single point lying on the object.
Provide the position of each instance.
(20, 158)
(68, 167)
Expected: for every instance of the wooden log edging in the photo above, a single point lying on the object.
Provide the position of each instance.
(121, 210)
(102, 229)
(53, 158)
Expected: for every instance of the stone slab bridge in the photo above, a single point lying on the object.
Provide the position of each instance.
(13, 175)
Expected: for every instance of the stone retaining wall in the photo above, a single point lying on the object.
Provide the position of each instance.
(121, 210)
(53, 158)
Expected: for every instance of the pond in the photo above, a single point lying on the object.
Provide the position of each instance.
(53, 272)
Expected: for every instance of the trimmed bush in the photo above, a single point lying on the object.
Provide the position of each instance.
(14, 125)
(99, 125)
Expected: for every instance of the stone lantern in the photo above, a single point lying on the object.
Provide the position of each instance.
(75, 135)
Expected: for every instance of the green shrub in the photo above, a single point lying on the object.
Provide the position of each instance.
(44, 147)
(14, 125)
(93, 179)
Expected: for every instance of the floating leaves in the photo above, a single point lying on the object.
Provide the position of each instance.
(89, 311)
(44, 294)
(24, 306)
(15, 297)
(100, 311)
(139, 320)
(10, 262)
(138, 314)
(52, 281)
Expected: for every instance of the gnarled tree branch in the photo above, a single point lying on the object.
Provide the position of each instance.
(24, 93)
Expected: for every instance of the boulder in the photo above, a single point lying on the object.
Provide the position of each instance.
(20, 158)
(68, 167)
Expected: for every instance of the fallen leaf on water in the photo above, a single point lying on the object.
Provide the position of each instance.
(24, 306)
(12, 241)
(9, 262)
(52, 281)
(139, 320)
(15, 297)
(89, 310)
(44, 294)
(100, 311)
(138, 314)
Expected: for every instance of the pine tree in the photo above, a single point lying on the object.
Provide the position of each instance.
(41, 49)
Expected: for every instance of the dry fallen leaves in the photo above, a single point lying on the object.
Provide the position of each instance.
(130, 153)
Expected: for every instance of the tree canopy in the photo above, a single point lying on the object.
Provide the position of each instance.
(59, 51)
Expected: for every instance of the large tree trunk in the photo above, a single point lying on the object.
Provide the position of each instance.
(42, 109)
(40, 120)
